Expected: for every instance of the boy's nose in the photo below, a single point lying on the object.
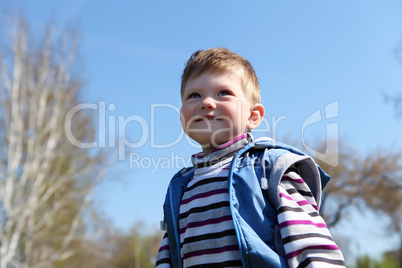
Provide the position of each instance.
(208, 103)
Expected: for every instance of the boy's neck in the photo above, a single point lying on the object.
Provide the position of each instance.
(209, 148)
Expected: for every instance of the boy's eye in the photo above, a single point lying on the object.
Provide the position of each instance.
(194, 95)
(224, 93)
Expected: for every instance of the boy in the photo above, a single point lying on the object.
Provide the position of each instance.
(244, 203)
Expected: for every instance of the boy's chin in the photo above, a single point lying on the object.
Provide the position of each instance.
(212, 140)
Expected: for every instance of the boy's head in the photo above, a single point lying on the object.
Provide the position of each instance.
(220, 98)
(223, 61)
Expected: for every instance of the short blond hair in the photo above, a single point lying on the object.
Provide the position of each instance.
(222, 60)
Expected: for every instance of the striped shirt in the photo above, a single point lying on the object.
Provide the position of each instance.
(207, 234)
(305, 236)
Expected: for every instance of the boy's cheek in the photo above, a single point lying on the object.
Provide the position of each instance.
(182, 116)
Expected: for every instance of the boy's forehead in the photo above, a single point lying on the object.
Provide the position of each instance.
(207, 81)
(224, 74)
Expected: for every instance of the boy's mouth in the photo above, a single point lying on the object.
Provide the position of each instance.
(204, 118)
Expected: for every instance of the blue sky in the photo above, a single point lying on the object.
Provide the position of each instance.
(307, 55)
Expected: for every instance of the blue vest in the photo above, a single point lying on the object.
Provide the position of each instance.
(254, 175)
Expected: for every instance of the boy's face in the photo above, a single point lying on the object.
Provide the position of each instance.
(214, 109)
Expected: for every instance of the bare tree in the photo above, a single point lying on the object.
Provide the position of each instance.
(45, 181)
(372, 181)
(396, 102)
(395, 99)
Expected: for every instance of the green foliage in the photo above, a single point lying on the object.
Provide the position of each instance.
(386, 262)
(135, 249)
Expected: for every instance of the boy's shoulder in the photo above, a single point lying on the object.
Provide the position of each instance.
(184, 172)
(269, 143)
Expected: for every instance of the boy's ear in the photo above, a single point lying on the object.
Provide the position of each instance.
(256, 115)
